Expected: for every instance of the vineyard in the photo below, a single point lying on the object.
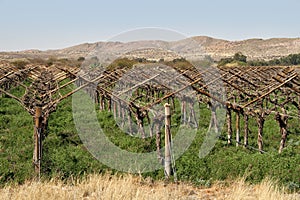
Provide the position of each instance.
(131, 93)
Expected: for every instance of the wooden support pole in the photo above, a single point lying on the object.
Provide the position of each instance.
(109, 102)
(237, 128)
(167, 141)
(37, 153)
(119, 109)
(158, 141)
(123, 116)
(282, 120)
(183, 112)
(192, 115)
(284, 134)
(115, 109)
(140, 123)
(101, 103)
(173, 103)
(97, 96)
(149, 123)
(129, 122)
(246, 129)
(260, 122)
(213, 120)
(299, 109)
(229, 126)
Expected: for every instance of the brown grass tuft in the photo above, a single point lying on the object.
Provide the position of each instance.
(131, 187)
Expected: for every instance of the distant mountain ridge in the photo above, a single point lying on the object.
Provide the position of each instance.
(254, 49)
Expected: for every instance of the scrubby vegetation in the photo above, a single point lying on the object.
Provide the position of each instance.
(240, 59)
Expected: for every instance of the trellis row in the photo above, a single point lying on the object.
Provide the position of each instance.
(251, 92)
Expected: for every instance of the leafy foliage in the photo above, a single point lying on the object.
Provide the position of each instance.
(240, 59)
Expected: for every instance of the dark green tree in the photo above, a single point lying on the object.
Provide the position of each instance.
(240, 57)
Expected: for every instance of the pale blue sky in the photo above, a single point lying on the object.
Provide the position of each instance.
(39, 24)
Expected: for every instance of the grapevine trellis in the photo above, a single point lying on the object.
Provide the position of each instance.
(130, 94)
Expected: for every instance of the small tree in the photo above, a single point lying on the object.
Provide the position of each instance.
(81, 59)
(240, 57)
(20, 64)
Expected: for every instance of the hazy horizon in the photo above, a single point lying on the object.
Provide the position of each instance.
(35, 49)
(57, 24)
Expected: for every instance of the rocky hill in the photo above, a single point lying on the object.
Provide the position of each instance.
(252, 48)
(191, 47)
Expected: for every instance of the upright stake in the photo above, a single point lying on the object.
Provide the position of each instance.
(158, 140)
(115, 109)
(183, 111)
(237, 128)
(282, 120)
(37, 154)
(246, 129)
(229, 127)
(129, 122)
(214, 119)
(260, 121)
(167, 141)
(101, 102)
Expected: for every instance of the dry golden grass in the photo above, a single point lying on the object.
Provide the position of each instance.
(130, 187)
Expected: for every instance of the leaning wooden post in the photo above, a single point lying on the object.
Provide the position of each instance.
(167, 141)
(37, 154)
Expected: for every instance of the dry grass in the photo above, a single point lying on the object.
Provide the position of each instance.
(267, 189)
(130, 187)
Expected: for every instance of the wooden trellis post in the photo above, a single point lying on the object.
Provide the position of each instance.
(158, 140)
(149, 122)
(129, 122)
(167, 141)
(260, 122)
(237, 128)
(282, 120)
(214, 119)
(229, 127)
(246, 129)
(192, 115)
(183, 111)
(101, 102)
(37, 154)
(299, 109)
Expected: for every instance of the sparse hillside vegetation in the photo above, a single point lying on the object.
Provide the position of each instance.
(241, 60)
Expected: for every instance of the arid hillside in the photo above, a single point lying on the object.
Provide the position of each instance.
(197, 46)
